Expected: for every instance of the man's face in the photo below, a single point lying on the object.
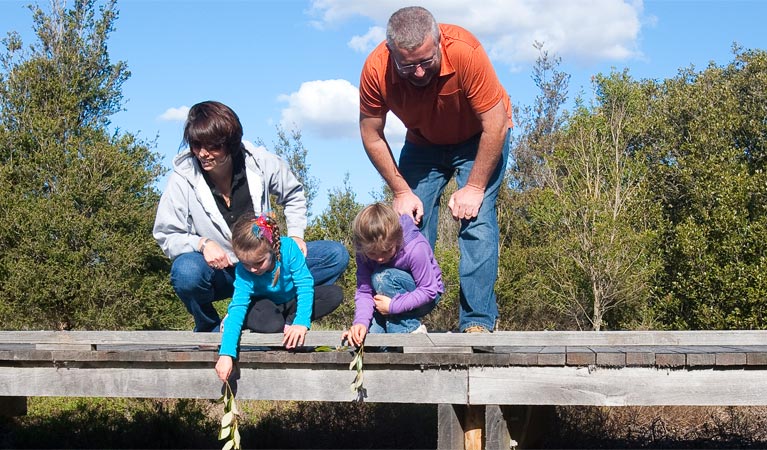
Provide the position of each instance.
(420, 65)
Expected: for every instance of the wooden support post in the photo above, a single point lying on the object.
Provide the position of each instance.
(460, 427)
(474, 427)
(496, 429)
(13, 406)
(449, 428)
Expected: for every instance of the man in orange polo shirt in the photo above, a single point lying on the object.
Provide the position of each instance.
(438, 80)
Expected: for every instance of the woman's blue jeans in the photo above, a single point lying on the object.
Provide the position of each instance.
(427, 171)
(198, 285)
(389, 281)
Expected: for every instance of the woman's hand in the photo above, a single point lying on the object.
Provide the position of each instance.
(355, 335)
(224, 367)
(214, 255)
(294, 336)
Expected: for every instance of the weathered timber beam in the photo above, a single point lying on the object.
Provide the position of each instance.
(264, 382)
(332, 338)
(616, 387)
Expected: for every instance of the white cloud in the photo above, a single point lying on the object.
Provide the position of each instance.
(330, 109)
(174, 114)
(580, 30)
(367, 42)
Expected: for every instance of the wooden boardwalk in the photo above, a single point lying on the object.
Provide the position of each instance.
(515, 368)
(467, 375)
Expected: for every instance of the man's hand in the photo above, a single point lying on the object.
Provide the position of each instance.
(294, 336)
(382, 303)
(355, 335)
(407, 203)
(465, 202)
(301, 244)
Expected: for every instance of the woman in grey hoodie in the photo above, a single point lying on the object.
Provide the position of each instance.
(218, 178)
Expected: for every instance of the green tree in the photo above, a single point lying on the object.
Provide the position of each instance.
(77, 200)
(291, 148)
(597, 205)
(521, 301)
(706, 139)
(335, 223)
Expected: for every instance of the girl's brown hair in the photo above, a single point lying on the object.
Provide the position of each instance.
(253, 237)
(376, 229)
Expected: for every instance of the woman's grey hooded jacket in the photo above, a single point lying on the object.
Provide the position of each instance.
(187, 210)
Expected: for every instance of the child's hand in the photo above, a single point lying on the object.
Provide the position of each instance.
(294, 336)
(224, 367)
(355, 335)
(382, 303)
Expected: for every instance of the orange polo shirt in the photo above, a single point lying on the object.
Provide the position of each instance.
(445, 111)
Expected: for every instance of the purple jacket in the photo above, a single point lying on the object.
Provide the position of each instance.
(416, 258)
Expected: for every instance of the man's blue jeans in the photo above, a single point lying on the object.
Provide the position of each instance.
(389, 281)
(428, 170)
(198, 285)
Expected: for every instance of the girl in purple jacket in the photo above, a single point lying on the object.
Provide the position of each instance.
(398, 279)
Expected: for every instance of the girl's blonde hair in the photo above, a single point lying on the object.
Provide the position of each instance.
(254, 237)
(376, 229)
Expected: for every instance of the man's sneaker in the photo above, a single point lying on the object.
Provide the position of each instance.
(420, 330)
(476, 329)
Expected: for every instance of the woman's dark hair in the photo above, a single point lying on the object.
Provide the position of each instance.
(213, 125)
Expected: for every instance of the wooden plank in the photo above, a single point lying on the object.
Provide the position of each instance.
(756, 359)
(580, 356)
(473, 427)
(730, 359)
(282, 382)
(616, 387)
(497, 435)
(332, 338)
(449, 429)
(701, 359)
(607, 338)
(670, 359)
(552, 356)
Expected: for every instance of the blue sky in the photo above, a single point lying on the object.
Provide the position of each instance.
(297, 62)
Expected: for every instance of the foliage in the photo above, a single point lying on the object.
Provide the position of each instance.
(357, 366)
(596, 202)
(229, 421)
(706, 140)
(291, 148)
(77, 201)
(575, 235)
(335, 223)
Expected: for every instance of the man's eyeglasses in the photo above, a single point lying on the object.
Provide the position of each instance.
(411, 68)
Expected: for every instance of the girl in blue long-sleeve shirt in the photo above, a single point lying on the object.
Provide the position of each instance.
(273, 289)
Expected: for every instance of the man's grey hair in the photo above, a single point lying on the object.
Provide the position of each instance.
(408, 27)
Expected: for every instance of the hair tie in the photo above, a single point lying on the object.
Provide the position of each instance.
(262, 229)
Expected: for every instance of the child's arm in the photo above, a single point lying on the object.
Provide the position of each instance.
(363, 297)
(426, 275)
(238, 308)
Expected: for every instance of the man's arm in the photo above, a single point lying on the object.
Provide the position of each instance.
(465, 202)
(377, 149)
